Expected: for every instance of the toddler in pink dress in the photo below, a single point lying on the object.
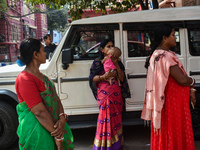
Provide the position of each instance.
(113, 53)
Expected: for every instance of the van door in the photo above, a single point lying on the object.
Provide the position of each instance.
(192, 43)
(137, 47)
(84, 40)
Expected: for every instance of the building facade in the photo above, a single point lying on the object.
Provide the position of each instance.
(16, 25)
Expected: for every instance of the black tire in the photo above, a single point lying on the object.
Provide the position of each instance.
(8, 125)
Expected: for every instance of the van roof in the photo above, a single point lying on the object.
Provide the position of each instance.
(164, 14)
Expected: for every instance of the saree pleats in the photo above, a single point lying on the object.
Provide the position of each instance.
(32, 135)
(109, 124)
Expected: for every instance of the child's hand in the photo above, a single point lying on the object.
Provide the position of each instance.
(115, 61)
(104, 59)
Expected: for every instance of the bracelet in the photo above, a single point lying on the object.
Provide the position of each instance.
(99, 79)
(193, 90)
(59, 140)
(64, 114)
(193, 81)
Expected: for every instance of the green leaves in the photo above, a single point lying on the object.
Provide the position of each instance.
(56, 20)
(3, 6)
(78, 7)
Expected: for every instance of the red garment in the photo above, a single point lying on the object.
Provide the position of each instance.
(176, 131)
(28, 88)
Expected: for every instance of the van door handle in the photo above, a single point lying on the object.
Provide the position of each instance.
(135, 76)
(194, 73)
(63, 96)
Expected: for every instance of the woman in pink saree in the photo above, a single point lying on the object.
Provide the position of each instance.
(110, 98)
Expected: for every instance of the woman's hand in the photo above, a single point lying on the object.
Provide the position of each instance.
(192, 98)
(59, 128)
(110, 73)
(59, 144)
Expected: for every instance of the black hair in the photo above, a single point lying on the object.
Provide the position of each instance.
(46, 35)
(27, 48)
(105, 42)
(102, 45)
(160, 31)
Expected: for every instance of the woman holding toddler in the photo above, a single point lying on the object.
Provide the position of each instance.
(105, 85)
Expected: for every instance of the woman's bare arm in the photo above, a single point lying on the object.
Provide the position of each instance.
(60, 124)
(43, 116)
(46, 121)
(105, 76)
(179, 77)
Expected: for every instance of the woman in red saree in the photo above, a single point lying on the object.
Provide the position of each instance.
(110, 99)
(168, 89)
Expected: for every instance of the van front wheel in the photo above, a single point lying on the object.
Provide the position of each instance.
(8, 125)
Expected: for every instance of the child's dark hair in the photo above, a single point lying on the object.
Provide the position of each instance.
(160, 31)
(27, 48)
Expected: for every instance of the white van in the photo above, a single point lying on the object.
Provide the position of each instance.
(70, 64)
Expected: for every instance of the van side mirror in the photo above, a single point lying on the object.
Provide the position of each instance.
(67, 58)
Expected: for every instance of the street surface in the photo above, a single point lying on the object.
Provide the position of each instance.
(135, 138)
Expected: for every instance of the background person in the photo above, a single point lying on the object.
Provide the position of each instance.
(168, 89)
(42, 122)
(41, 40)
(50, 47)
(110, 99)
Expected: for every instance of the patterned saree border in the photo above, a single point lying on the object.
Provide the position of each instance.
(114, 139)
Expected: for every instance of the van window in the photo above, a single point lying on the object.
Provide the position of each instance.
(138, 44)
(194, 41)
(85, 39)
(140, 37)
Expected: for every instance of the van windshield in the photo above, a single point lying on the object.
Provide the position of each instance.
(85, 40)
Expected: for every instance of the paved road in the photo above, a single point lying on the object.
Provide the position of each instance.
(135, 138)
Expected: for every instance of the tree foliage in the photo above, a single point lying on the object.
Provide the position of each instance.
(3, 6)
(77, 7)
(56, 20)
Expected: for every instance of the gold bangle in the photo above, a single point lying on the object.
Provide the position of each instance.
(59, 140)
(193, 90)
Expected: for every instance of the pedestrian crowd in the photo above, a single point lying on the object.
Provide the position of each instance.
(43, 122)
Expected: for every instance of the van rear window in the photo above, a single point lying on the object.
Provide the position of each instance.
(139, 43)
(194, 41)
